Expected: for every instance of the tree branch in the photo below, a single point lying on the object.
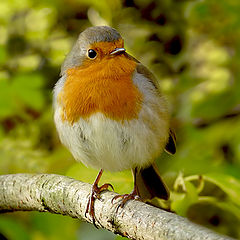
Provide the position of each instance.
(66, 196)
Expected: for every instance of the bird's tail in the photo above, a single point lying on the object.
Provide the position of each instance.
(149, 184)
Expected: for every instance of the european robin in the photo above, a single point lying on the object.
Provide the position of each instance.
(111, 115)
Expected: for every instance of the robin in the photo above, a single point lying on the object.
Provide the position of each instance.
(111, 115)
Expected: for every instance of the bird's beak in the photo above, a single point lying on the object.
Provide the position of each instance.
(118, 50)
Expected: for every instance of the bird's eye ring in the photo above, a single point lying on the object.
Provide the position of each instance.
(92, 53)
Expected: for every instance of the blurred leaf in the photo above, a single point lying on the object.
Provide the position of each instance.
(182, 201)
(215, 216)
(7, 104)
(13, 230)
(105, 7)
(227, 183)
(230, 207)
(39, 21)
(53, 226)
(120, 238)
(3, 54)
(88, 232)
(28, 63)
(29, 80)
(207, 108)
(26, 87)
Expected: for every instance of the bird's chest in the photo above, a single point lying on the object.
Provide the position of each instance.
(106, 89)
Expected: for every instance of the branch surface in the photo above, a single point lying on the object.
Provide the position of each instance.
(63, 195)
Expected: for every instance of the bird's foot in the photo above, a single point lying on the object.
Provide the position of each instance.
(95, 194)
(126, 197)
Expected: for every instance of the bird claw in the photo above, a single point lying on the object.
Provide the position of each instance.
(126, 197)
(95, 194)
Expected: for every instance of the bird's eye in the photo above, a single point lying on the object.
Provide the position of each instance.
(92, 53)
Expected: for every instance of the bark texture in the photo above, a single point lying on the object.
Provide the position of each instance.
(66, 196)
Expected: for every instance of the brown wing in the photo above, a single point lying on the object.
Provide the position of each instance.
(171, 145)
(145, 72)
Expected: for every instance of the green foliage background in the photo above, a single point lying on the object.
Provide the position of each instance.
(192, 46)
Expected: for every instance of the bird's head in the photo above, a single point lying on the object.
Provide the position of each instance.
(94, 45)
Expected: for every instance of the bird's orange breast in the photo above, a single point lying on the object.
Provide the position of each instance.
(105, 86)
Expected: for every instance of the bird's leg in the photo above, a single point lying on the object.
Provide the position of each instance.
(95, 194)
(134, 195)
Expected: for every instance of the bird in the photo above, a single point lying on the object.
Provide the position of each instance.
(111, 115)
